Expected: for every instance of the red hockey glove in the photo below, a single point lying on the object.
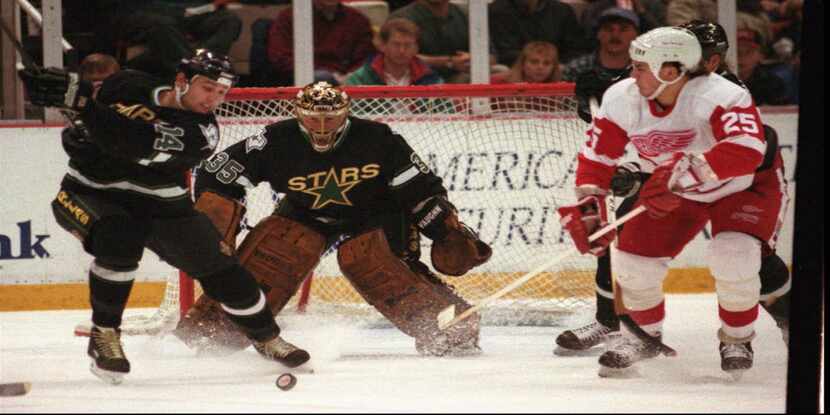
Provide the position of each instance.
(583, 219)
(656, 196)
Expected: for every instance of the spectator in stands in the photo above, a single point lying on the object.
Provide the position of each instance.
(682, 11)
(537, 63)
(513, 23)
(342, 42)
(617, 28)
(155, 35)
(96, 67)
(397, 63)
(445, 37)
(652, 13)
(765, 87)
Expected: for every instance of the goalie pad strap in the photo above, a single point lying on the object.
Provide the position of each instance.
(224, 213)
(411, 299)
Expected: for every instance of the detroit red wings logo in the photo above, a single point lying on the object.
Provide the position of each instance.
(656, 143)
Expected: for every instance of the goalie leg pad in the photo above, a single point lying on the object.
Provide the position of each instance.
(409, 297)
(280, 253)
(206, 327)
(224, 213)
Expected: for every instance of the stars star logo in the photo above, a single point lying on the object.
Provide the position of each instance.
(331, 191)
(211, 134)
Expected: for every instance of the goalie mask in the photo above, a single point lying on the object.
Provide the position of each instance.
(322, 111)
(666, 45)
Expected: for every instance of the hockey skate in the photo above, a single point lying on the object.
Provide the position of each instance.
(736, 358)
(622, 353)
(108, 360)
(282, 351)
(579, 341)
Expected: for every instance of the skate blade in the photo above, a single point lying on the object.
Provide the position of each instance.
(618, 373)
(83, 329)
(564, 352)
(113, 378)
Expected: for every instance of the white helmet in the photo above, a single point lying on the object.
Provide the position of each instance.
(666, 44)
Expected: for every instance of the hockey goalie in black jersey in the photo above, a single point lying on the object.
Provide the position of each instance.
(345, 180)
(125, 190)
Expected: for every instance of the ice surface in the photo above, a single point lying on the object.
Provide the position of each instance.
(360, 369)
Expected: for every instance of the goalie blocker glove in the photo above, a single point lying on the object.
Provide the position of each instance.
(584, 218)
(55, 87)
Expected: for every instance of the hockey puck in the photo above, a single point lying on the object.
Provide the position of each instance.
(286, 381)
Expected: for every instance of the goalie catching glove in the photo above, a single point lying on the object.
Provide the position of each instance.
(55, 87)
(584, 218)
(456, 249)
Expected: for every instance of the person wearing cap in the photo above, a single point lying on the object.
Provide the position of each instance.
(514, 23)
(617, 27)
(652, 13)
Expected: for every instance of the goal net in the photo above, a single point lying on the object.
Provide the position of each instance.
(506, 154)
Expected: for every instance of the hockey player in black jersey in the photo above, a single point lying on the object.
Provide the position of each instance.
(775, 276)
(350, 181)
(125, 190)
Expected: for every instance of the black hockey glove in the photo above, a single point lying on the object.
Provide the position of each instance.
(627, 180)
(54, 87)
(431, 217)
(593, 83)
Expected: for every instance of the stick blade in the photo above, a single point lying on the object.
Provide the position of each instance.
(446, 316)
(15, 388)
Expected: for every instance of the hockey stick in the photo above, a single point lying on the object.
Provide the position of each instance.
(27, 60)
(30, 64)
(14, 389)
(447, 317)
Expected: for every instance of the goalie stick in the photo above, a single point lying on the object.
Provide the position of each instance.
(447, 317)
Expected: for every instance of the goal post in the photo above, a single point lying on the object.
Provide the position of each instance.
(507, 156)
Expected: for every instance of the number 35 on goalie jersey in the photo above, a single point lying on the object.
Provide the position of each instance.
(370, 171)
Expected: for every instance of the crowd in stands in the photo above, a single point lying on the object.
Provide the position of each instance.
(423, 42)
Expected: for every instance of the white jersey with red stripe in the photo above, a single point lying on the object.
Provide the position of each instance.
(712, 116)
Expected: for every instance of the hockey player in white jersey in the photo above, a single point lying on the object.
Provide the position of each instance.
(700, 137)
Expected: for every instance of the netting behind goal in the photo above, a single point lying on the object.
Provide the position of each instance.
(507, 156)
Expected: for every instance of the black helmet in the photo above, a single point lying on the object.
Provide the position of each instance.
(711, 36)
(211, 65)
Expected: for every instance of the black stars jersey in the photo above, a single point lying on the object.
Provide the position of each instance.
(137, 146)
(372, 172)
